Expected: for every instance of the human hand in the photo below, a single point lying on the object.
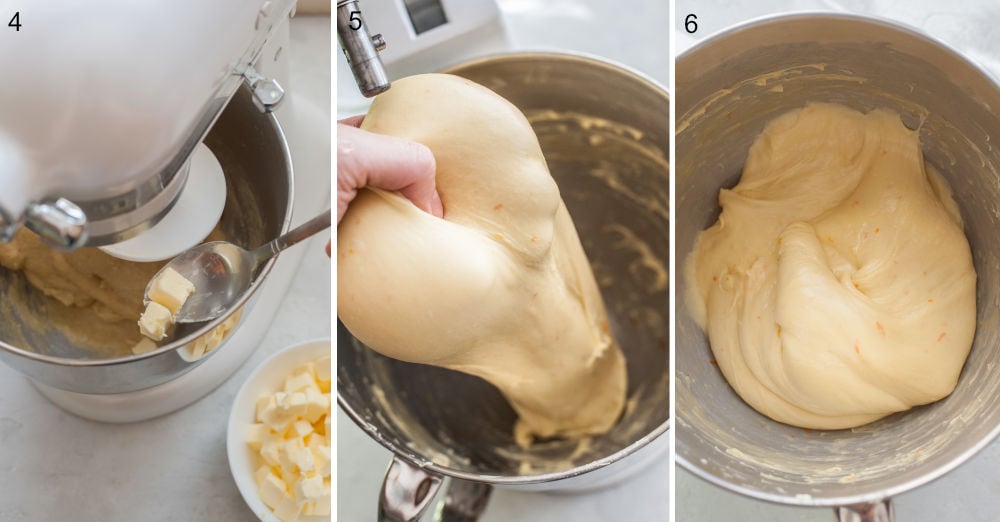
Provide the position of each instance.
(386, 162)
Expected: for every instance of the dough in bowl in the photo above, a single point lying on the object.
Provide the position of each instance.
(500, 288)
(837, 286)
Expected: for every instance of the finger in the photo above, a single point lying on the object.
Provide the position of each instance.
(390, 163)
(353, 121)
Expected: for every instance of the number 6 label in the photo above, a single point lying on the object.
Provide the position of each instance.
(691, 23)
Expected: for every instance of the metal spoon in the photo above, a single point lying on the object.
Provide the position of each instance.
(222, 272)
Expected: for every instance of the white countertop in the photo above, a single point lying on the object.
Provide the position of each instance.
(972, 492)
(55, 466)
(636, 37)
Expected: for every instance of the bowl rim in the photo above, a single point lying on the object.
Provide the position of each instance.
(933, 473)
(236, 449)
(179, 343)
(586, 58)
(661, 429)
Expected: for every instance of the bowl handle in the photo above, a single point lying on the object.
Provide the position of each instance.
(407, 491)
(875, 512)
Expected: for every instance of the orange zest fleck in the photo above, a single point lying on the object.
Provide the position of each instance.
(498, 206)
(857, 347)
(779, 330)
(878, 326)
(930, 300)
(941, 336)
(713, 362)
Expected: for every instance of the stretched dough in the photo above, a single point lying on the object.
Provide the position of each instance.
(837, 286)
(500, 288)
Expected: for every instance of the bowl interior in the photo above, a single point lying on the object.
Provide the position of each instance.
(257, 208)
(268, 377)
(604, 135)
(734, 84)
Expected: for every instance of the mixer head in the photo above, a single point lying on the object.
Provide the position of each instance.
(100, 136)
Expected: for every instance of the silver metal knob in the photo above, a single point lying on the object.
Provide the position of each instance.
(60, 223)
(8, 226)
(361, 49)
(267, 92)
(378, 42)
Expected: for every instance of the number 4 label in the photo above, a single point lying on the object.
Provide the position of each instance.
(15, 21)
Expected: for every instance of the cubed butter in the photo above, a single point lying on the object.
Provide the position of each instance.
(304, 460)
(301, 428)
(144, 345)
(315, 405)
(299, 382)
(261, 474)
(309, 488)
(289, 509)
(273, 491)
(323, 369)
(319, 507)
(291, 437)
(170, 289)
(286, 463)
(153, 323)
(264, 402)
(257, 434)
(321, 456)
(270, 452)
(275, 416)
(294, 404)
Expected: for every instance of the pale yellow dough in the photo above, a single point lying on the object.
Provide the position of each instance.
(837, 286)
(500, 287)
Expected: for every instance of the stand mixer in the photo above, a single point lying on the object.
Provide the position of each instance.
(100, 140)
(95, 137)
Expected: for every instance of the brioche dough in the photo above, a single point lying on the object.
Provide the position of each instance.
(500, 288)
(837, 286)
(90, 297)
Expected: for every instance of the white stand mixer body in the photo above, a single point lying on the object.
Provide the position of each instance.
(104, 94)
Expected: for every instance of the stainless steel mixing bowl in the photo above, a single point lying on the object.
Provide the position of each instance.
(728, 88)
(252, 151)
(604, 132)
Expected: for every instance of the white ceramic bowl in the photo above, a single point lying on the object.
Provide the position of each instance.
(269, 376)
